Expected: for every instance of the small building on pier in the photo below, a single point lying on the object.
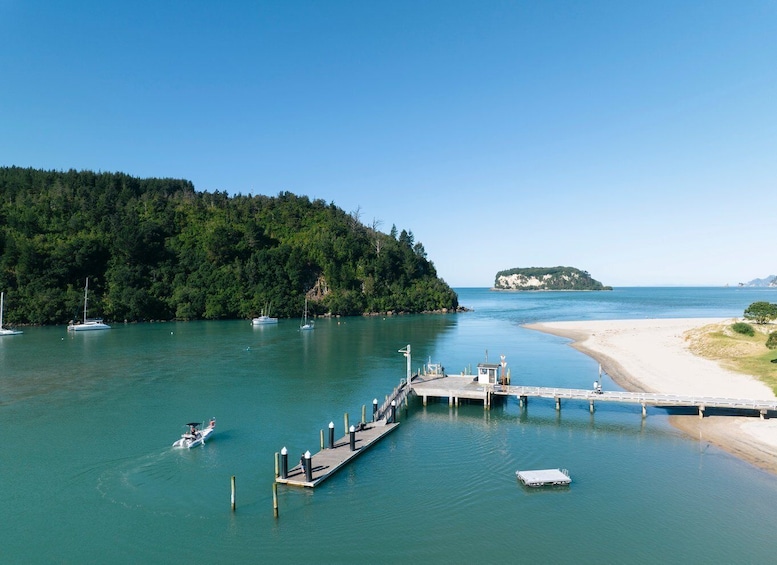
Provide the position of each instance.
(488, 373)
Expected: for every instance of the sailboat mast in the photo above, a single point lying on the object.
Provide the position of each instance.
(86, 294)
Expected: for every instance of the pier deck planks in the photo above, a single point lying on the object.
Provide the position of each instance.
(328, 461)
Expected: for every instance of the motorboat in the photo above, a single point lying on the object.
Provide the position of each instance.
(89, 323)
(5, 331)
(195, 436)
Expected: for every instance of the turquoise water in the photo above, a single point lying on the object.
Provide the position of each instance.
(88, 475)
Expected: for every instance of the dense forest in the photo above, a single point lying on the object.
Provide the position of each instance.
(156, 249)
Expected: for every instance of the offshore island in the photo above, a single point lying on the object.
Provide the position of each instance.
(546, 278)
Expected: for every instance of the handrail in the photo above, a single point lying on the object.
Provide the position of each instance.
(641, 397)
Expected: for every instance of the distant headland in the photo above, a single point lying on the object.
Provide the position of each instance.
(546, 278)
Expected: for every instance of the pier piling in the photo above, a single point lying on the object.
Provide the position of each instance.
(233, 493)
(275, 499)
(308, 467)
(331, 435)
(352, 437)
(284, 463)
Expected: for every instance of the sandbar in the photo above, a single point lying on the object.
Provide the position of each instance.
(653, 355)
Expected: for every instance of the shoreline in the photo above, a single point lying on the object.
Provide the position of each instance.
(652, 355)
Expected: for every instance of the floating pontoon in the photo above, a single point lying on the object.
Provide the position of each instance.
(544, 477)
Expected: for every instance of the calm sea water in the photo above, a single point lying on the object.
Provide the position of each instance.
(87, 474)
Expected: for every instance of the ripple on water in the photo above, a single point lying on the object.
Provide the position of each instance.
(172, 481)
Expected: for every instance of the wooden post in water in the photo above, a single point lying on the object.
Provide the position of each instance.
(558, 404)
(277, 464)
(275, 499)
(233, 493)
(345, 421)
(331, 435)
(364, 413)
(321, 438)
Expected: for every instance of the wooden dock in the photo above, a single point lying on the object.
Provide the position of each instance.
(457, 387)
(329, 460)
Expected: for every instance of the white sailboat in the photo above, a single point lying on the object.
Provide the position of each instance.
(4, 331)
(306, 325)
(264, 319)
(88, 324)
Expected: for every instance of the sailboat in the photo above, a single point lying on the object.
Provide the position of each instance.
(264, 318)
(306, 325)
(4, 331)
(89, 323)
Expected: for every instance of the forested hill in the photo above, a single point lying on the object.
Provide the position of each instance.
(156, 249)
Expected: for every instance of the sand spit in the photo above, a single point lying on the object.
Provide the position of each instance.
(652, 355)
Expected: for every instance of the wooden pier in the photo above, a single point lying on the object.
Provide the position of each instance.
(330, 460)
(457, 387)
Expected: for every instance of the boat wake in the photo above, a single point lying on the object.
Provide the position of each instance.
(168, 482)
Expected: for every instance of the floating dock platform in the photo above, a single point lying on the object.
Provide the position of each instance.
(544, 477)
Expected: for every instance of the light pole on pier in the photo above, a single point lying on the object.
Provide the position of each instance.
(406, 353)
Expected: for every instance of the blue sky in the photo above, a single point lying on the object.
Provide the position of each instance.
(637, 141)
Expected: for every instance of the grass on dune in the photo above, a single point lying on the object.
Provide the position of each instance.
(737, 352)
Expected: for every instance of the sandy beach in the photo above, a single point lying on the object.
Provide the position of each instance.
(652, 355)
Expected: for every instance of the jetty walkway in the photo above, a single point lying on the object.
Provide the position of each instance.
(485, 387)
(457, 387)
(315, 469)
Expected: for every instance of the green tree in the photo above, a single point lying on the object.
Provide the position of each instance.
(761, 312)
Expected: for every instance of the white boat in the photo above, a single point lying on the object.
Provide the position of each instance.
(264, 319)
(89, 323)
(195, 436)
(5, 331)
(306, 325)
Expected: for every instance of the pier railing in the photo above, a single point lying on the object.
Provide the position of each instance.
(649, 398)
(398, 395)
